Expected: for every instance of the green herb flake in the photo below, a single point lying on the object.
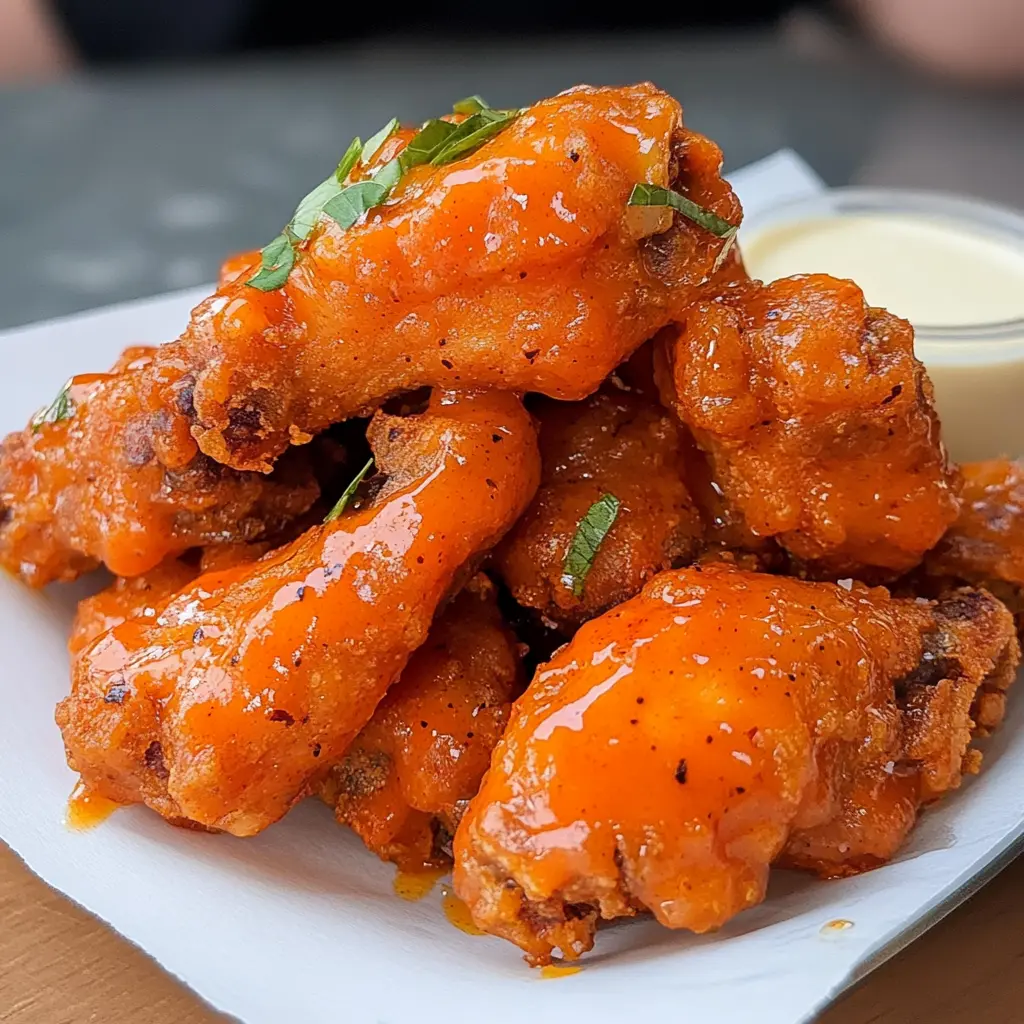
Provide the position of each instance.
(61, 408)
(349, 160)
(590, 533)
(470, 105)
(276, 262)
(376, 141)
(437, 142)
(307, 213)
(425, 143)
(390, 174)
(472, 133)
(644, 194)
(346, 495)
(354, 200)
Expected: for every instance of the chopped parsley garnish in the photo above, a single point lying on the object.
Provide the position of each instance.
(472, 133)
(374, 142)
(470, 105)
(644, 194)
(352, 202)
(276, 262)
(590, 533)
(437, 142)
(346, 495)
(61, 408)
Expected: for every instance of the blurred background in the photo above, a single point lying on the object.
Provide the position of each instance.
(143, 140)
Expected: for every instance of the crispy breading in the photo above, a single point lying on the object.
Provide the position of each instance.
(819, 423)
(683, 742)
(985, 546)
(251, 682)
(619, 441)
(405, 780)
(110, 484)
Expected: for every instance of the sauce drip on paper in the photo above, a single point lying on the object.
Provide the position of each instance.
(87, 809)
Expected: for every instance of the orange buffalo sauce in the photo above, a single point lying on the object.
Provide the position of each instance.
(457, 912)
(559, 970)
(414, 885)
(87, 809)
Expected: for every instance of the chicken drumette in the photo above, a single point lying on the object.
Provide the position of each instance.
(719, 722)
(239, 695)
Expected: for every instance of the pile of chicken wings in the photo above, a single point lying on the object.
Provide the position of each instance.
(500, 402)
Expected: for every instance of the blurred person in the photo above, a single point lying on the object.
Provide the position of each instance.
(974, 39)
(977, 39)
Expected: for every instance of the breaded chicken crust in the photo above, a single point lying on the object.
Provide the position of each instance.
(519, 267)
(251, 682)
(619, 441)
(686, 740)
(819, 423)
(107, 484)
(985, 548)
(407, 777)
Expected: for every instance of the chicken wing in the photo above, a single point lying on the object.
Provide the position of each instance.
(681, 743)
(621, 442)
(407, 777)
(102, 479)
(126, 598)
(818, 421)
(985, 548)
(234, 701)
(518, 267)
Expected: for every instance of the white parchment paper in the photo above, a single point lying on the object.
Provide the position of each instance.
(300, 924)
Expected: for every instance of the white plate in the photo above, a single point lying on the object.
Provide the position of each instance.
(300, 923)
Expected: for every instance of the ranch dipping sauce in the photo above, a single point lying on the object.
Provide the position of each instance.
(953, 267)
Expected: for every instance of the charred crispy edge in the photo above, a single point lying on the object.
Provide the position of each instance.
(993, 641)
(989, 706)
(666, 254)
(538, 927)
(959, 687)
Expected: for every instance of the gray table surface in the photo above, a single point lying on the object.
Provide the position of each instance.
(123, 184)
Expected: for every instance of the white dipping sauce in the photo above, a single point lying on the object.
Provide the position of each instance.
(955, 284)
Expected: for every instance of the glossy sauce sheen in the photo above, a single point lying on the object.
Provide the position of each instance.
(86, 809)
(552, 971)
(818, 421)
(254, 680)
(414, 886)
(405, 779)
(518, 267)
(116, 483)
(986, 544)
(457, 913)
(684, 741)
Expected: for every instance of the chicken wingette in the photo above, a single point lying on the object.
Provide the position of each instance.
(96, 478)
(818, 422)
(618, 442)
